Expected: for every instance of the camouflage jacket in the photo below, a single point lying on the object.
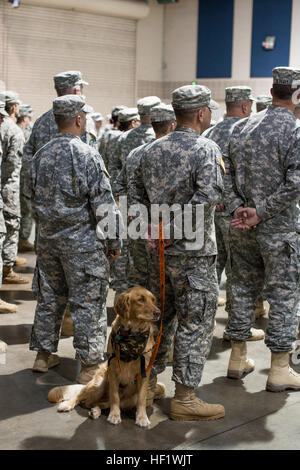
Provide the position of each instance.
(128, 141)
(182, 168)
(103, 142)
(12, 139)
(69, 182)
(264, 162)
(127, 172)
(220, 133)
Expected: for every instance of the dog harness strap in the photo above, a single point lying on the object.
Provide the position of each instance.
(143, 367)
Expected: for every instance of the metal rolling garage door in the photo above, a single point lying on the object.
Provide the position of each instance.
(38, 42)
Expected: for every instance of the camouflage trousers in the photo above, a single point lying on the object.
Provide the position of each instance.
(119, 269)
(10, 246)
(139, 264)
(191, 299)
(80, 279)
(26, 211)
(267, 263)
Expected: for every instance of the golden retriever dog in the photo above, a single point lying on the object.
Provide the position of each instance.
(121, 381)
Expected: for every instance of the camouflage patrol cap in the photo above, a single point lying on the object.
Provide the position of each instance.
(145, 104)
(10, 97)
(97, 117)
(286, 76)
(192, 97)
(264, 100)
(25, 110)
(27, 107)
(68, 79)
(128, 114)
(116, 109)
(162, 112)
(238, 93)
(69, 105)
(2, 109)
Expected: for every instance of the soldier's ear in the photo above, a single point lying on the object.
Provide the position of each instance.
(123, 305)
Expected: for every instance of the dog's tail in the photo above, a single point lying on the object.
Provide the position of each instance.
(67, 392)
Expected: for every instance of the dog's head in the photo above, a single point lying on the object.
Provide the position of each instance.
(138, 304)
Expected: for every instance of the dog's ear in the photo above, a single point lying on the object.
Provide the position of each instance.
(122, 305)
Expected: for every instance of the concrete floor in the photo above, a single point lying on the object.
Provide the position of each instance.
(255, 419)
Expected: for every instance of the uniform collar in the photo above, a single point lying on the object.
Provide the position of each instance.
(187, 130)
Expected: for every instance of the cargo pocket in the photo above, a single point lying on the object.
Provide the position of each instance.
(197, 298)
(293, 261)
(96, 269)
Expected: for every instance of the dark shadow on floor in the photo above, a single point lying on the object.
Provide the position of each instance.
(15, 334)
(12, 296)
(241, 407)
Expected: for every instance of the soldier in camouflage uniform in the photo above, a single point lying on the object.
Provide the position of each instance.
(12, 145)
(238, 101)
(69, 182)
(23, 122)
(264, 162)
(128, 119)
(110, 133)
(4, 306)
(128, 141)
(262, 102)
(45, 129)
(163, 122)
(185, 168)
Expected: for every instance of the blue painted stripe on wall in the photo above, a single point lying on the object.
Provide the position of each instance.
(270, 18)
(215, 32)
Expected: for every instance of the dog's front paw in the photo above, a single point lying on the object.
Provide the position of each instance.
(65, 406)
(142, 420)
(114, 418)
(95, 412)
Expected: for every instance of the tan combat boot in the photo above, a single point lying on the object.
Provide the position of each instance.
(87, 373)
(281, 376)
(3, 347)
(44, 361)
(7, 308)
(239, 365)
(25, 245)
(185, 406)
(20, 261)
(257, 335)
(260, 310)
(67, 328)
(156, 390)
(221, 302)
(10, 277)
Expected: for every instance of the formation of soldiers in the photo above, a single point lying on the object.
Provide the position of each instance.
(243, 171)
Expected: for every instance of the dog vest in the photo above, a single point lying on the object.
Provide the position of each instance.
(131, 345)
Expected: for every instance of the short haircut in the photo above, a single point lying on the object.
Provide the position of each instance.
(283, 92)
(231, 106)
(8, 107)
(186, 115)
(124, 126)
(66, 91)
(64, 122)
(20, 119)
(161, 127)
